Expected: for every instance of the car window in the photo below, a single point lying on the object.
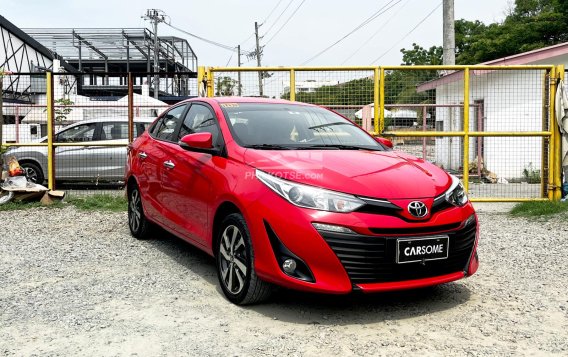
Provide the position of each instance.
(114, 131)
(199, 119)
(294, 126)
(79, 133)
(166, 126)
(141, 128)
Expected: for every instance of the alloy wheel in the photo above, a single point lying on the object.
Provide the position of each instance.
(135, 210)
(233, 259)
(31, 174)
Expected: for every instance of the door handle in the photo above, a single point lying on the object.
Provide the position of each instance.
(142, 155)
(168, 164)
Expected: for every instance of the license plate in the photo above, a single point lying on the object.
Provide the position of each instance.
(409, 250)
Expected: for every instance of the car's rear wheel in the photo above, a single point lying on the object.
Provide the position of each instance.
(235, 263)
(139, 225)
(33, 172)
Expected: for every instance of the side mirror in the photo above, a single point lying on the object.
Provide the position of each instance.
(197, 141)
(384, 141)
(201, 142)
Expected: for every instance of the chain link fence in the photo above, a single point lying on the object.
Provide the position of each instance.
(489, 125)
(71, 130)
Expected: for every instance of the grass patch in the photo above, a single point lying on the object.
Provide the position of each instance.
(20, 205)
(109, 203)
(539, 208)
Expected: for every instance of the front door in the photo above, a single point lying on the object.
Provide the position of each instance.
(187, 183)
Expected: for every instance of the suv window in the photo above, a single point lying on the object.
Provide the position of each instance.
(166, 125)
(79, 133)
(200, 119)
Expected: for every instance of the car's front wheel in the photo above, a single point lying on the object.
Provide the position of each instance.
(235, 263)
(33, 172)
(139, 225)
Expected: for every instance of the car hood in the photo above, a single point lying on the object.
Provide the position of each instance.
(378, 174)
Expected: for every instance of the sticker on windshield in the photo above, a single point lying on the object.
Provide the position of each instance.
(229, 105)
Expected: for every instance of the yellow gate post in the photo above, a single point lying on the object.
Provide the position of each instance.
(376, 99)
(50, 119)
(381, 126)
(292, 85)
(466, 130)
(557, 142)
(552, 142)
(210, 83)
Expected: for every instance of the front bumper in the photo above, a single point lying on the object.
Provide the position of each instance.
(365, 261)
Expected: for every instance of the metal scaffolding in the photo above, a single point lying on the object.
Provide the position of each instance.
(98, 52)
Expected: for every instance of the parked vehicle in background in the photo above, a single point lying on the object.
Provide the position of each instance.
(91, 162)
(296, 195)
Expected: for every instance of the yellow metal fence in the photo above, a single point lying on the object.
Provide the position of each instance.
(493, 126)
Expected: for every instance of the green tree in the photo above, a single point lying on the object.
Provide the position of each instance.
(225, 86)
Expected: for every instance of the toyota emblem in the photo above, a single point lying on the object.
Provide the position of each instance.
(417, 209)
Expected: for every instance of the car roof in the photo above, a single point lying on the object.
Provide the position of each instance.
(255, 100)
(115, 119)
(221, 100)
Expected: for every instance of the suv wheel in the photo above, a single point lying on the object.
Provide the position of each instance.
(33, 172)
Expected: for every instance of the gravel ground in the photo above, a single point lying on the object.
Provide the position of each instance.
(76, 283)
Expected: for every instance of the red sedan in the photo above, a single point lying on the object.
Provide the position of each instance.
(291, 194)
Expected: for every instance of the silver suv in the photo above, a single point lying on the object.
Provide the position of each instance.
(89, 163)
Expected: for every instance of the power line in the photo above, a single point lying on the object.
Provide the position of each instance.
(365, 22)
(271, 12)
(264, 21)
(248, 38)
(211, 42)
(229, 61)
(285, 22)
(409, 32)
(278, 18)
(377, 32)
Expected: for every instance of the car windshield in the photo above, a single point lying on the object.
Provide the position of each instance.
(290, 126)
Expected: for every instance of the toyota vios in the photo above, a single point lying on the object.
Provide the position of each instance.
(295, 195)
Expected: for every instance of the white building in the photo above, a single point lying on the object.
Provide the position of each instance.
(309, 85)
(501, 100)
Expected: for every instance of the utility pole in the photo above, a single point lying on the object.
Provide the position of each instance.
(156, 16)
(258, 54)
(239, 72)
(449, 56)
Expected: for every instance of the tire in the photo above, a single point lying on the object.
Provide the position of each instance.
(5, 196)
(235, 263)
(34, 173)
(140, 227)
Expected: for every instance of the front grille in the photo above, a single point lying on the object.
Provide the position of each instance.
(371, 259)
(417, 230)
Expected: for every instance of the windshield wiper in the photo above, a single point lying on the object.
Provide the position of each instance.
(329, 124)
(268, 147)
(339, 147)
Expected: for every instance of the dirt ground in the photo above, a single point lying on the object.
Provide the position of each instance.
(76, 283)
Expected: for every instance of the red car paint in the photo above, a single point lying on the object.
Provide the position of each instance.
(186, 199)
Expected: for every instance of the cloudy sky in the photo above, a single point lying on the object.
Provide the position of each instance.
(294, 31)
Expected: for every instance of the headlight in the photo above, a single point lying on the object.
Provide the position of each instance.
(310, 197)
(456, 194)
